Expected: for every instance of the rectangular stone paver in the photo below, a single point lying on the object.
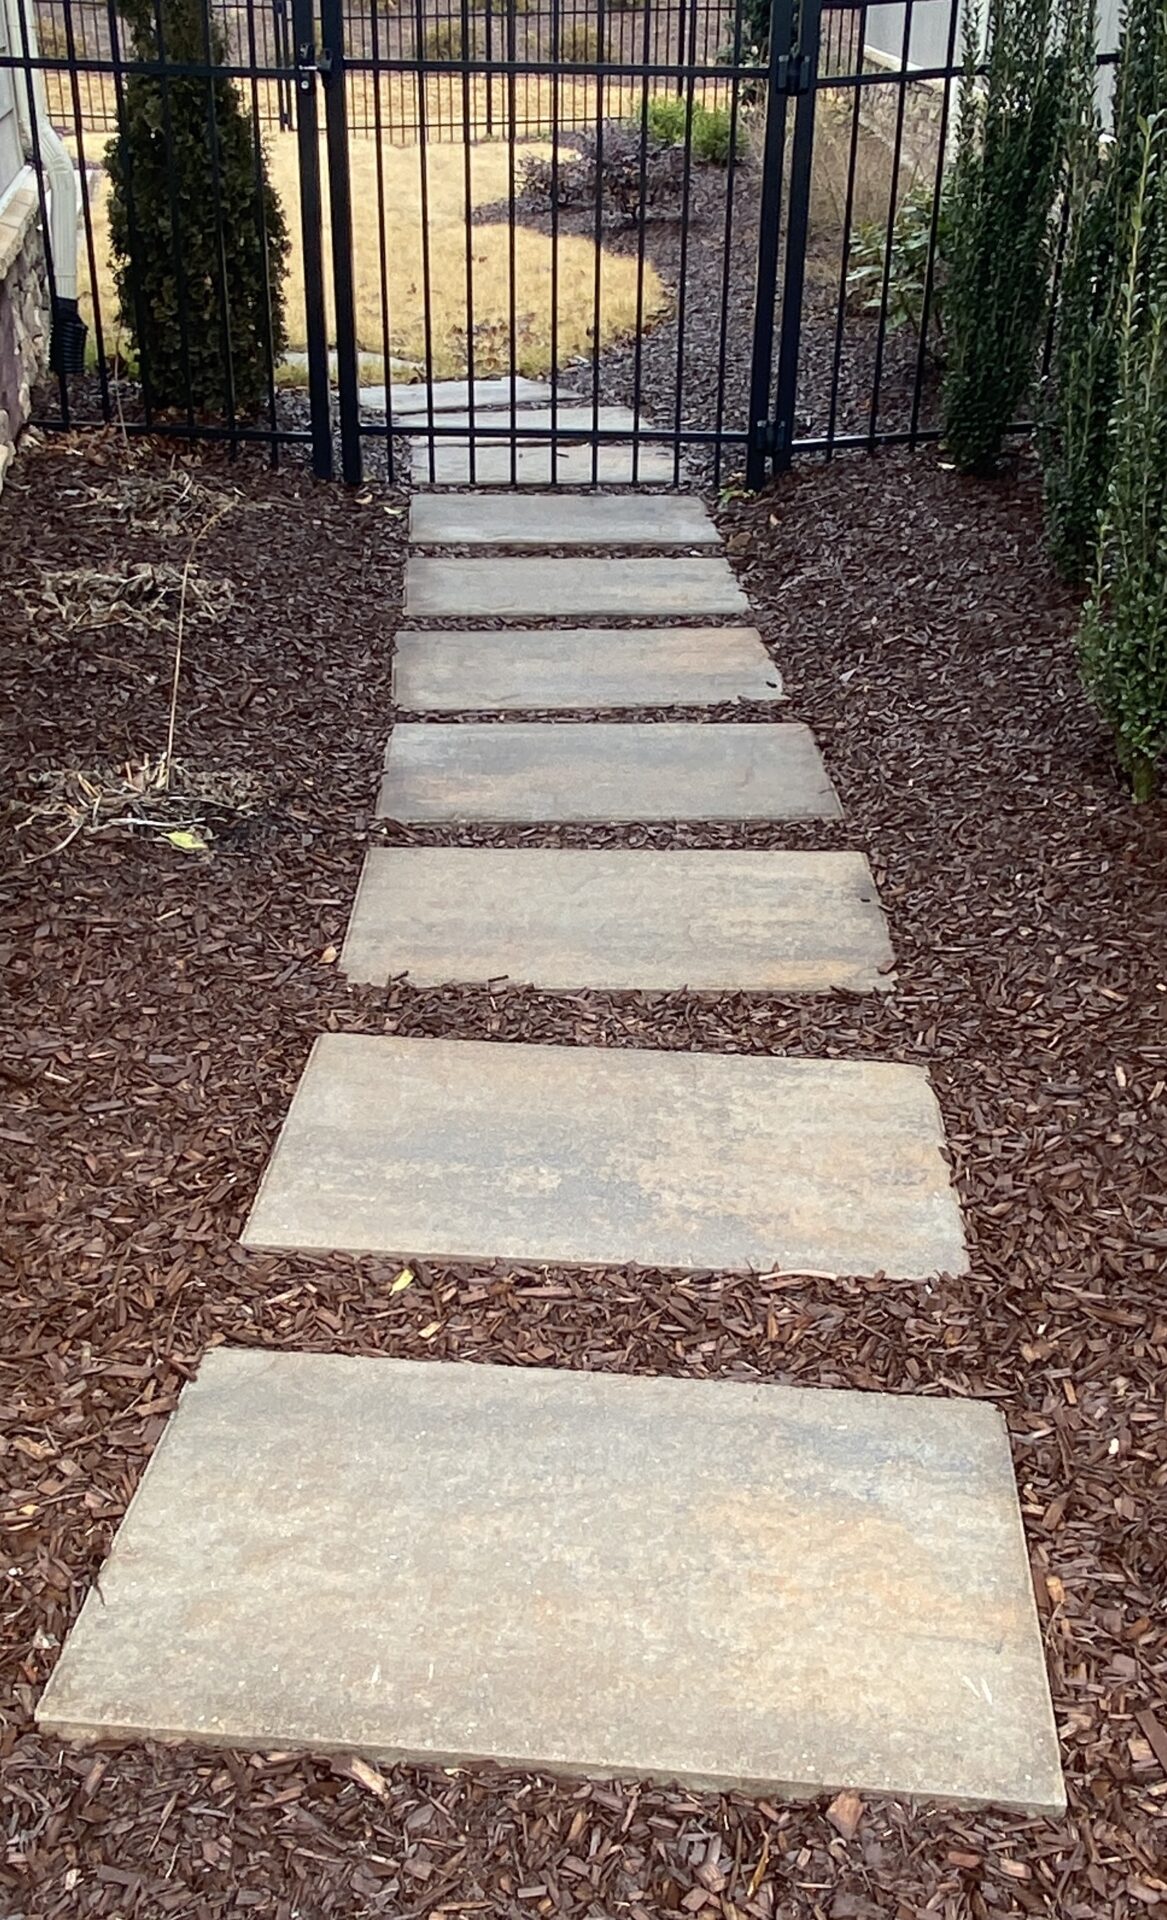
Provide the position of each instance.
(614, 464)
(598, 1156)
(718, 1583)
(453, 396)
(581, 667)
(531, 423)
(534, 588)
(601, 770)
(563, 520)
(620, 917)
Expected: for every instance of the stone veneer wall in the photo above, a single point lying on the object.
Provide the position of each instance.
(24, 323)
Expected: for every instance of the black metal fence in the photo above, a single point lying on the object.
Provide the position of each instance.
(259, 32)
(739, 243)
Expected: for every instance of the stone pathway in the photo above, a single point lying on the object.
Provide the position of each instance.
(736, 1584)
(484, 453)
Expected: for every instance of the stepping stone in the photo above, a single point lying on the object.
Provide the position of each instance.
(524, 588)
(496, 464)
(568, 918)
(564, 520)
(532, 423)
(727, 1585)
(465, 1149)
(581, 667)
(453, 396)
(619, 918)
(600, 770)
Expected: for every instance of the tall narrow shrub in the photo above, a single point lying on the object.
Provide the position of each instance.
(199, 238)
(1075, 440)
(1123, 639)
(1012, 140)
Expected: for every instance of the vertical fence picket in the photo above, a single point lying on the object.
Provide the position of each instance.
(311, 225)
(332, 63)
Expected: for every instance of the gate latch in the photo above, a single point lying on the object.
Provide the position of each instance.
(793, 74)
(305, 66)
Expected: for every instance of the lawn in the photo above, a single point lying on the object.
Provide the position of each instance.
(489, 270)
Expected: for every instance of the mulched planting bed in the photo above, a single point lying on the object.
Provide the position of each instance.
(160, 1006)
(709, 324)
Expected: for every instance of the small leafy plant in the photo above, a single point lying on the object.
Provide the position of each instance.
(713, 135)
(711, 129)
(667, 117)
(904, 261)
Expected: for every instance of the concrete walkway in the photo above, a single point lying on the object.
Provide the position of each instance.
(730, 1584)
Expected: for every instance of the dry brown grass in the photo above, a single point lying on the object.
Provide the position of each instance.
(872, 185)
(444, 289)
(540, 102)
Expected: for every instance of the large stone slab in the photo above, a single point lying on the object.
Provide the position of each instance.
(601, 770)
(560, 520)
(531, 423)
(724, 1584)
(530, 588)
(496, 464)
(453, 396)
(509, 667)
(602, 1156)
(568, 918)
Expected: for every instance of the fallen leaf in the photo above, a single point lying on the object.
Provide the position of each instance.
(187, 840)
(330, 956)
(403, 1280)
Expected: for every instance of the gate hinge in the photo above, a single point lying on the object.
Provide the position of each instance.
(769, 438)
(794, 73)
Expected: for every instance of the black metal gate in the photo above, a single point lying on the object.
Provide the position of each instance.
(710, 229)
(663, 131)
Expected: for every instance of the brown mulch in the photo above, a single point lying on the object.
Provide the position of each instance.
(160, 1007)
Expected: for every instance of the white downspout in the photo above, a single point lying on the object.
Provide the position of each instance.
(61, 194)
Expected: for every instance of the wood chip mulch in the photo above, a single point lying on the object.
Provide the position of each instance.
(160, 1004)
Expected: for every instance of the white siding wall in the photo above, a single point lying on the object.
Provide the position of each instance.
(931, 21)
(11, 155)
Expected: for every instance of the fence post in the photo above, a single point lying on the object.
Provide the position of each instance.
(769, 224)
(340, 207)
(307, 135)
(797, 228)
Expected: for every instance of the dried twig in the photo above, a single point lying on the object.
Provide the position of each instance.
(172, 717)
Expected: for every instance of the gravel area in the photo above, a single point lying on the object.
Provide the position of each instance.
(160, 1006)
